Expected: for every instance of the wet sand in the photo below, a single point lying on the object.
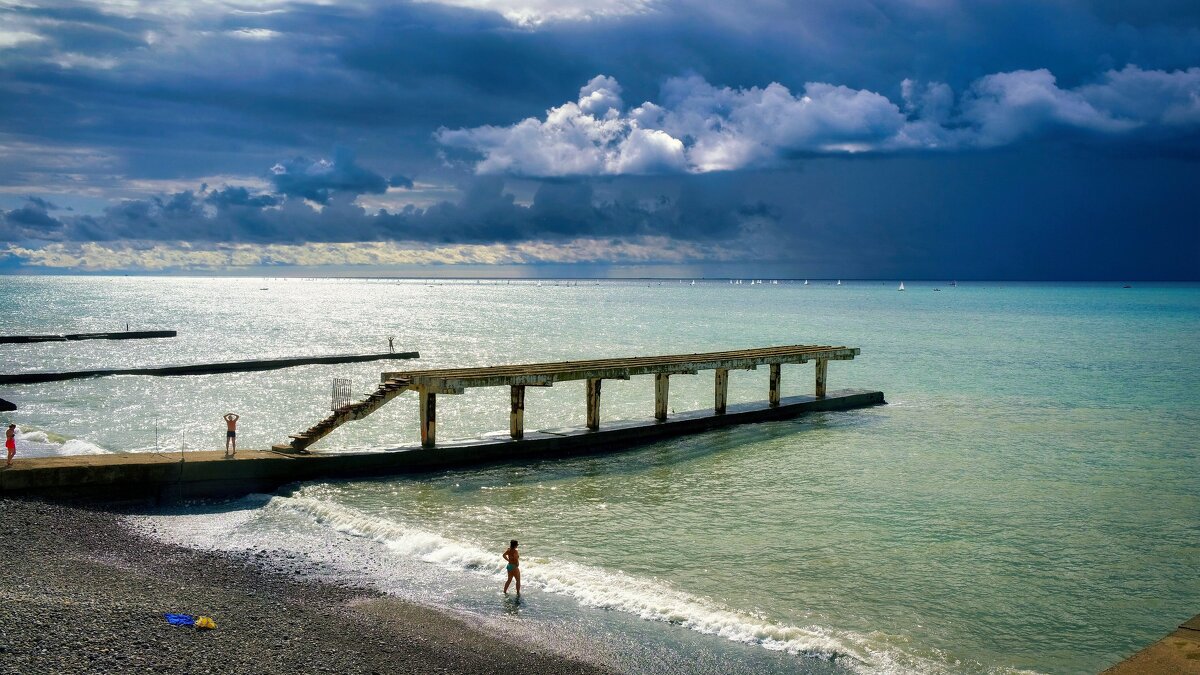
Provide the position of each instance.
(81, 593)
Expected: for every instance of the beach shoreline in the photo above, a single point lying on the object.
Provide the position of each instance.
(80, 591)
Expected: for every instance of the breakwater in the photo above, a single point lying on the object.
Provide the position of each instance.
(71, 337)
(204, 368)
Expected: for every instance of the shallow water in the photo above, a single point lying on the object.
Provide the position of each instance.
(1029, 499)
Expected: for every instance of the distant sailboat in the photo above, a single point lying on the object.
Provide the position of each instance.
(806, 282)
(901, 286)
(839, 283)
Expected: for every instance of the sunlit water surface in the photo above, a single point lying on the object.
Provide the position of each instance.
(1028, 499)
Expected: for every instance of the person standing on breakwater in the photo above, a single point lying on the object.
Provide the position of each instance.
(230, 433)
(391, 347)
(514, 566)
(10, 443)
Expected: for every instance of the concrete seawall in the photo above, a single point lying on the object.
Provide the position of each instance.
(208, 474)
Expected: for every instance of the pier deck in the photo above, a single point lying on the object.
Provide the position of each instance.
(429, 383)
(209, 474)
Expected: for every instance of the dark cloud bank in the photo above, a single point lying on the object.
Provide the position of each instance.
(1017, 139)
(1022, 214)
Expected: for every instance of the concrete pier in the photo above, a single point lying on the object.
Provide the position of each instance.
(205, 368)
(167, 476)
(429, 383)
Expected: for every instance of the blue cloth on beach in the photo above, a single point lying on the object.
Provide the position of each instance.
(180, 619)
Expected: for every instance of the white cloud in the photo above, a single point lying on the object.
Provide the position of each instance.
(254, 33)
(532, 13)
(1168, 98)
(69, 60)
(12, 38)
(1005, 107)
(698, 127)
(601, 97)
(569, 141)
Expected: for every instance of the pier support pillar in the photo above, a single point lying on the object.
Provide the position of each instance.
(822, 370)
(516, 418)
(661, 386)
(721, 391)
(773, 394)
(593, 403)
(428, 417)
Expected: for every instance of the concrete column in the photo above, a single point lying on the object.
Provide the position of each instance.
(428, 417)
(721, 391)
(774, 390)
(661, 386)
(516, 418)
(822, 369)
(593, 403)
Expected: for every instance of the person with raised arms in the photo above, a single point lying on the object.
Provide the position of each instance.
(230, 433)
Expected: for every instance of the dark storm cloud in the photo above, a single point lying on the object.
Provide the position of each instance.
(30, 221)
(229, 197)
(318, 179)
(691, 208)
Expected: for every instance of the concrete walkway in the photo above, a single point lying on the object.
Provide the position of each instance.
(198, 474)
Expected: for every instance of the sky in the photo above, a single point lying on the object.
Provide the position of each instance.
(880, 139)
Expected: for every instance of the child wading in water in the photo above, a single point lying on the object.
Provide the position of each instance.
(513, 567)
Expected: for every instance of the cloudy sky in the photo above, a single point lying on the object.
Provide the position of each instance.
(972, 139)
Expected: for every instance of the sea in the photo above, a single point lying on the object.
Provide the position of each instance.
(1028, 500)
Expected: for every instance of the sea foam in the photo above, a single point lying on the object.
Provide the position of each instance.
(587, 585)
(594, 587)
(40, 443)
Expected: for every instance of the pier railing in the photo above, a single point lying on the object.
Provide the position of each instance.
(430, 383)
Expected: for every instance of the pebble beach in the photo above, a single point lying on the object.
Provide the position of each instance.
(80, 592)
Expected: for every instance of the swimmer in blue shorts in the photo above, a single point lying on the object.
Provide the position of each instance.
(514, 566)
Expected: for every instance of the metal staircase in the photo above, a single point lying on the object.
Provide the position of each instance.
(354, 411)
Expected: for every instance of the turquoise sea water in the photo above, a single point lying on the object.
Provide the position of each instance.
(1028, 499)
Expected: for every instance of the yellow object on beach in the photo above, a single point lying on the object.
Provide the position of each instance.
(205, 623)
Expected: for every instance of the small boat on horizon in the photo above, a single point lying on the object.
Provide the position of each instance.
(901, 286)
